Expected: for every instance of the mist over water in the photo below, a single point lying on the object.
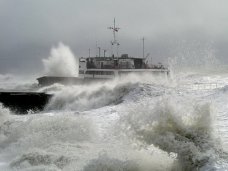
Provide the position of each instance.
(9, 82)
(61, 62)
(195, 57)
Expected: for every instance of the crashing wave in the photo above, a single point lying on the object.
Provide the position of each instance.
(94, 96)
(188, 133)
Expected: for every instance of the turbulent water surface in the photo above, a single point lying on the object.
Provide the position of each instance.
(133, 124)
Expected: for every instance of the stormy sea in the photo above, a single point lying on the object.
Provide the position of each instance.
(135, 123)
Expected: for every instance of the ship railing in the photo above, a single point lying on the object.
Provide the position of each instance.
(202, 86)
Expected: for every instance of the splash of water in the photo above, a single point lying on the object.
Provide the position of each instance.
(61, 62)
(174, 130)
(4, 117)
(46, 130)
(35, 142)
(96, 95)
(4, 114)
(85, 97)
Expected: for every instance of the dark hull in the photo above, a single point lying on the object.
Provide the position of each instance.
(23, 102)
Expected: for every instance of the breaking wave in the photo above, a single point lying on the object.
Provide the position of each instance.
(100, 94)
(158, 129)
(85, 97)
(4, 117)
(183, 130)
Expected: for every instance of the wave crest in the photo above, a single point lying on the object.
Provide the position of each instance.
(186, 132)
(94, 96)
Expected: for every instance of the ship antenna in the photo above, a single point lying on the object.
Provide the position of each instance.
(115, 30)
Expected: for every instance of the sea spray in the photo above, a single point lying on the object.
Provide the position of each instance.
(52, 89)
(41, 131)
(4, 114)
(61, 62)
(11, 82)
(85, 97)
(194, 56)
(4, 117)
(134, 162)
(97, 94)
(38, 140)
(174, 128)
(46, 141)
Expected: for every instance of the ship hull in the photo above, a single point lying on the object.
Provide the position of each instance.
(49, 80)
(24, 102)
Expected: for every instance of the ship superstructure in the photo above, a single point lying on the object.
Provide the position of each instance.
(110, 67)
(102, 68)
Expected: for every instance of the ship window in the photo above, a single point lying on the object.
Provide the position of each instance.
(100, 72)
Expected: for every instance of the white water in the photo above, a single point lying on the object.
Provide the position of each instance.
(133, 124)
(61, 62)
(122, 125)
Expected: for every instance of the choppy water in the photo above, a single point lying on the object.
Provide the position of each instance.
(133, 124)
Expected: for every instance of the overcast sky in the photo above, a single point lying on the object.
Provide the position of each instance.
(29, 28)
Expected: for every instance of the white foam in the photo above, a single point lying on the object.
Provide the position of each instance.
(154, 120)
(4, 114)
(61, 62)
(173, 126)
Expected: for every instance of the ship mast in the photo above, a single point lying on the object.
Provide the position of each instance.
(114, 41)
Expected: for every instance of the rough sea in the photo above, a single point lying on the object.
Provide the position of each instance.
(135, 123)
(146, 123)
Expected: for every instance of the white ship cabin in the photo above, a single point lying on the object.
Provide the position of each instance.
(110, 67)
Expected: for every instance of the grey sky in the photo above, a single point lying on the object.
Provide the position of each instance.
(29, 28)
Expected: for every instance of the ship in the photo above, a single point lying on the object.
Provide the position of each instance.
(102, 68)
(91, 69)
